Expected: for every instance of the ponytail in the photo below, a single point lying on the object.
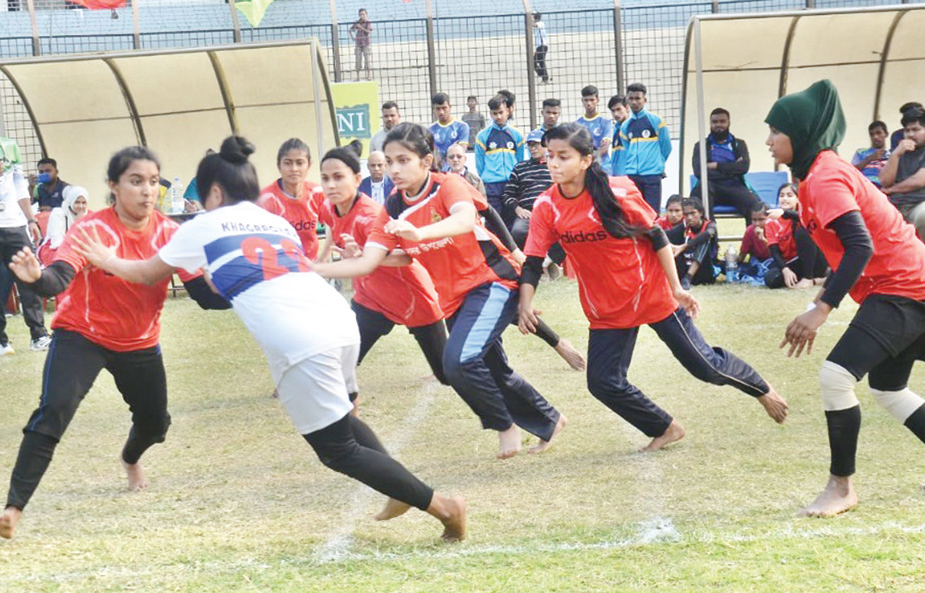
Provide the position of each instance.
(597, 183)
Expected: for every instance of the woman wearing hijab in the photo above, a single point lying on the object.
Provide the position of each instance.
(72, 209)
(875, 258)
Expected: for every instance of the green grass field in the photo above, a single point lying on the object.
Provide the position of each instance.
(238, 501)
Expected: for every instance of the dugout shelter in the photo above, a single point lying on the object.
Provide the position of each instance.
(745, 62)
(178, 103)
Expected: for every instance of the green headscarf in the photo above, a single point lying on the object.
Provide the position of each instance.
(814, 121)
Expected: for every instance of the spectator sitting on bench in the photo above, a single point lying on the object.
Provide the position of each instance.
(755, 250)
(674, 214)
(727, 164)
(695, 252)
(798, 263)
(870, 161)
(897, 136)
(903, 177)
(377, 185)
(456, 157)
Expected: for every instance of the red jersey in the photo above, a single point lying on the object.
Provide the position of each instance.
(832, 188)
(301, 213)
(663, 223)
(780, 232)
(751, 244)
(107, 310)
(620, 281)
(456, 264)
(405, 295)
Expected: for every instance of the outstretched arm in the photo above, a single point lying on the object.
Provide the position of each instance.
(146, 271)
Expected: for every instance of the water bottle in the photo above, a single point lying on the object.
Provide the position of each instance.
(732, 264)
(177, 203)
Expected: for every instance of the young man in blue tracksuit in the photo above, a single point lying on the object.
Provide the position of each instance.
(497, 149)
(598, 125)
(647, 144)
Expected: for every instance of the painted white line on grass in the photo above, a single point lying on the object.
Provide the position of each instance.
(649, 483)
(787, 532)
(337, 546)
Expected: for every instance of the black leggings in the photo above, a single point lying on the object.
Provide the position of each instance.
(71, 366)
(809, 262)
(350, 447)
(431, 338)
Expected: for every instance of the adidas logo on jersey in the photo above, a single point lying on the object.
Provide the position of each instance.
(303, 226)
(579, 237)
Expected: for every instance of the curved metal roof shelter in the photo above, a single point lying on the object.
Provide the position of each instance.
(178, 103)
(743, 63)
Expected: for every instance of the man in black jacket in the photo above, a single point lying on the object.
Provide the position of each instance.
(727, 164)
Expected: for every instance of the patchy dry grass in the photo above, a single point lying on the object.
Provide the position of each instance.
(239, 503)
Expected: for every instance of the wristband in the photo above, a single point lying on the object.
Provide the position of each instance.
(32, 221)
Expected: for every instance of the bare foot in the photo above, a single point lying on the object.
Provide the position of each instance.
(545, 445)
(774, 405)
(452, 513)
(136, 476)
(674, 432)
(804, 283)
(839, 496)
(509, 442)
(568, 353)
(393, 508)
(8, 521)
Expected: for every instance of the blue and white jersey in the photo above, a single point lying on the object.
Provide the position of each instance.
(599, 126)
(255, 260)
(447, 135)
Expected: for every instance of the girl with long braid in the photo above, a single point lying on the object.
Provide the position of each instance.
(627, 278)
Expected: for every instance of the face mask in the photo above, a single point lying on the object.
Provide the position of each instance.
(43, 178)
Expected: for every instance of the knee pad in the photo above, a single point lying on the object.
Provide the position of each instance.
(901, 404)
(837, 386)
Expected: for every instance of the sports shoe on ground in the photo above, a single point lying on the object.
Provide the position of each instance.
(686, 283)
(554, 271)
(40, 343)
(6, 349)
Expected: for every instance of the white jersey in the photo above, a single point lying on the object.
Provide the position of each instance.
(13, 187)
(255, 261)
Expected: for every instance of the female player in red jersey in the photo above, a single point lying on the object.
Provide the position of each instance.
(293, 196)
(390, 295)
(103, 322)
(433, 219)
(626, 278)
(875, 258)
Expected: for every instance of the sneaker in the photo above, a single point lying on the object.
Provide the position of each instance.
(6, 349)
(686, 283)
(40, 343)
(554, 271)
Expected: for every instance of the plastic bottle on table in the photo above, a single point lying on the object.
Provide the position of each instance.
(177, 203)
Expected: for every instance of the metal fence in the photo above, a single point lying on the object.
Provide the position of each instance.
(442, 49)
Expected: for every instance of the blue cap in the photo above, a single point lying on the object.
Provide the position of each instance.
(535, 135)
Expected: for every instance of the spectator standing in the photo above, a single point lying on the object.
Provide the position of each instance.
(474, 119)
(541, 47)
(18, 230)
(446, 130)
(599, 125)
(903, 177)
(870, 161)
(391, 117)
(497, 149)
(552, 109)
(619, 111)
(49, 189)
(727, 164)
(377, 185)
(645, 158)
(361, 32)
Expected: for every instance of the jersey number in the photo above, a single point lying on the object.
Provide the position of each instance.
(260, 252)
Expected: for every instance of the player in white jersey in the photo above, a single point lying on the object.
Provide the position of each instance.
(255, 261)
